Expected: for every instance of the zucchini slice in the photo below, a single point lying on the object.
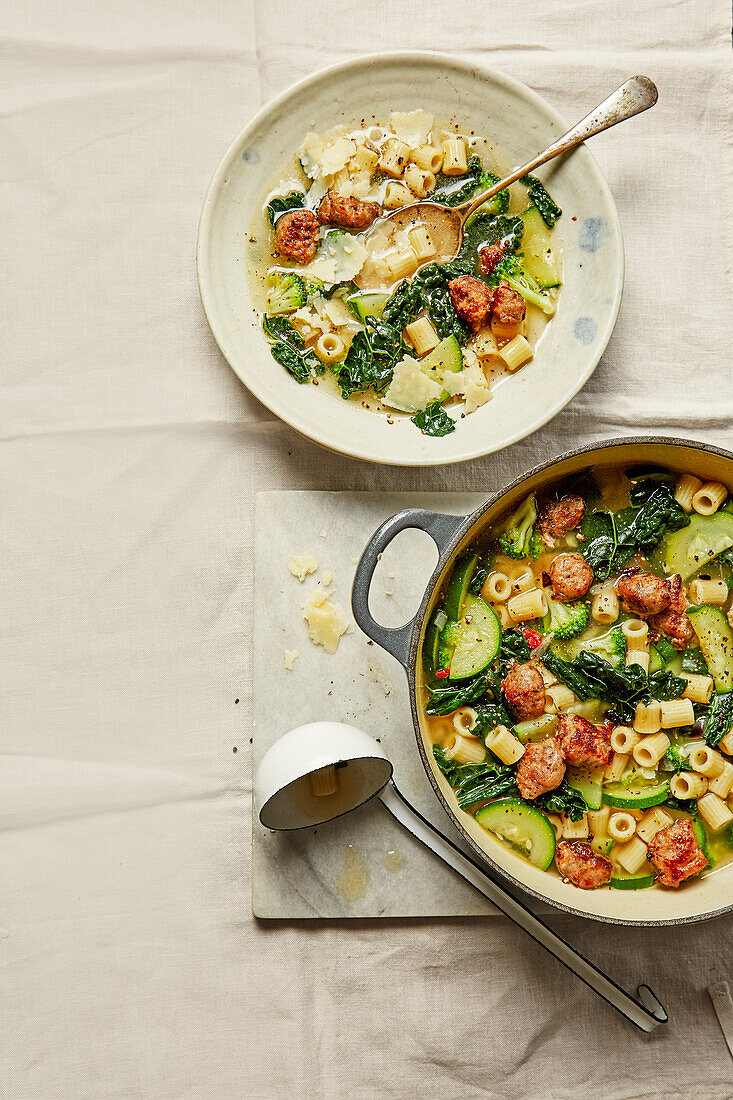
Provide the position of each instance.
(635, 798)
(638, 881)
(696, 545)
(539, 261)
(458, 584)
(476, 637)
(716, 642)
(524, 828)
(588, 782)
(368, 305)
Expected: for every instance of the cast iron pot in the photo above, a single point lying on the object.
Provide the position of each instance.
(699, 899)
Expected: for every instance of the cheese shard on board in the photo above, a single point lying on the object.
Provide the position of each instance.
(301, 565)
(290, 656)
(327, 622)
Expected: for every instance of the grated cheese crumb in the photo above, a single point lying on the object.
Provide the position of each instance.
(289, 658)
(327, 622)
(302, 565)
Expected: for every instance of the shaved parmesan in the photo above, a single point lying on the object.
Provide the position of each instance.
(412, 127)
(289, 658)
(339, 259)
(326, 621)
(410, 389)
(301, 566)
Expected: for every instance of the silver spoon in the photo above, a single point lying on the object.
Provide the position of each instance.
(446, 223)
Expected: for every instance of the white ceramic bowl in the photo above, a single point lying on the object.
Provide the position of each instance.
(519, 123)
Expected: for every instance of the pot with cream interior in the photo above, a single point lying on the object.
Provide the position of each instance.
(698, 899)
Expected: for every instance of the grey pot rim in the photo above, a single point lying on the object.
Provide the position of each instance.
(470, 521)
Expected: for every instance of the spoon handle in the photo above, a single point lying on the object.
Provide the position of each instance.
(646, 1016)
(636, 95)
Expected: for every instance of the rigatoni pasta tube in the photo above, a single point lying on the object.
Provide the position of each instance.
(516, 352)
(721, 784)
(421, 181)
(485, 345)
(685, 490)
(465, 719)
(630, 856)
(605, 606)
(636, 632)
(400, 264)
(699, 688)
(575, 830)
(394, 157)
(617, 766)
(675, 713)
(504, 330)
(650, 750)
(504, 745)
(324, 781)
(504, 617)
(688, 785)
(650, 824)
(455, 157)
(422, 335)
(623, 739)
(466, 750)
(648, 717)
(524, 582)
(558, 697)
(598, 820)
(528, 605)
(330, 347)
(396, 195)
(708, 591)
(497, 587)
(706, 761)
(421, 242)
(427, 157)
(714, 812)
(709, 497)
(621, 826)
(726, 745)
(638, 657)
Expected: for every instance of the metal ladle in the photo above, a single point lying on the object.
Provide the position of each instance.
(445, 224)
(324, 770)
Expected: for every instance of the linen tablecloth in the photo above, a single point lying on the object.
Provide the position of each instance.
(130, 965)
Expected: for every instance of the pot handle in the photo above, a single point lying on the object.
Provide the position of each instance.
(441, 528)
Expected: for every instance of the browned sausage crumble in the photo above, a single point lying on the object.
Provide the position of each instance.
(541, 768)
(524, 690)
(296, 236)
(471, 300)
(509, 305)
(582, 742)
(570, 576)
(673, 622)
(557, 517)
(347, 212)
(643, 594)
(676, 854)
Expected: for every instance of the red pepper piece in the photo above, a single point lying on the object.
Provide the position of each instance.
(442, 673)
(533, 638)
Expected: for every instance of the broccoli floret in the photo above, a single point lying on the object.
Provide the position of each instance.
(510, 269)
(518, 538)
(674, 761)
(498, 203)
(611, 646)
(286, 291)
(565, 620)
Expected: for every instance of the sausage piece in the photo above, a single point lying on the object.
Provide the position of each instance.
(524, 690)
(490, 258)
(673, 622)
(557, 517)
(509, 305)
(296, 236)
(541, 768)
(571, 577)
(643, 594)
(585, 868)
(676, 854)
(582, 742)
(471, 300)
(348, 212)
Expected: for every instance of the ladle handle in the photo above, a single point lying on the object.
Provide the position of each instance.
(646, 1016)
(636, 95)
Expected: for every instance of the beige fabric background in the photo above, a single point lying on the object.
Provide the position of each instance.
(130, 965)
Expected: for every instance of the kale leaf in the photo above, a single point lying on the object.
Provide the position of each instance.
(665, 685)
(294, 200)
(592, 677)
(371, 359)
(444, 699)
(434, 420)
(482, 230)
(611, 540)
(719, 719)
(598, 531)
(538, 195)
(514, 647)
(693, 661)
(289, 350)
(665, 650)
(453, 191)
(428, 292)
(475, 782)
(563, 800)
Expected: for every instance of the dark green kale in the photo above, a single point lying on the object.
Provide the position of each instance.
(295, 200)
(591, 677)
(289, 350)
(719, 719)
(428, 292)
(665, 650)
(684, 805)
(475, 782)
(598, 531)
(454, 190)
(434, 420)
(547, 207)
(481, 572)
(489, 716)
(371, 359)
(445, 698)
(563, 800)
(514, 647)
(611, 540)
(482, 230)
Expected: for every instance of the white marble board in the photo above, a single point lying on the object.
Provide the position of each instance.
(365, 864)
